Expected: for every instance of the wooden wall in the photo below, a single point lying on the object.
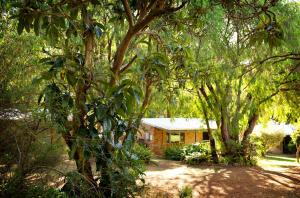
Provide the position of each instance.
(159, 142)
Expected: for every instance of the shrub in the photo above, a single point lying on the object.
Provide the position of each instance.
(265, 141)
(271, 139)
(196, 158)
(26, 153)
(258, 147)
(197, 147)
(174, 152)
(186, 192)
(142, 152)
(235, 156)
(43, 192)
(292, 147)
(196, 153)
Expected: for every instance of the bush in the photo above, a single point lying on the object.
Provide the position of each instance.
(271, 139)
(292, 147)
(258, 146)
(196, 158)
(196, 153)
(42, 192)
(235, 156)
(191, 154)
(142, 152)
(174, 152)
(186, 192)
(26, 152)
(197, 147)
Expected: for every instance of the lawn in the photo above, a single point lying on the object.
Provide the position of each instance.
(275, 176)
(277, 161)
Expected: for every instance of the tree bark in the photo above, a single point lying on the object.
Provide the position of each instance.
(212, 142)
(224, 129)
(298, 153)
(83, 164)
(245, 141)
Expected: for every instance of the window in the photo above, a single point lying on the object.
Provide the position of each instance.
(148, 136)
(205, 135)
(175, 137)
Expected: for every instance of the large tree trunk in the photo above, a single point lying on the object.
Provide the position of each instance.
(224, 131)
(83, 164)
(105, 180)
(298, 153)
(245, 141)
(212, 142)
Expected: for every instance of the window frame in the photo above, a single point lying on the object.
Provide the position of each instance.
(181, 136)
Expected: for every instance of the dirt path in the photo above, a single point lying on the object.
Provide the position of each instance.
(223, 181)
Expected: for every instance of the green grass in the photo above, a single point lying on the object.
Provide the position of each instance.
(278, 161)
(281, 158)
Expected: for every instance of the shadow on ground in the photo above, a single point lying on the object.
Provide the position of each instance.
(222, 181)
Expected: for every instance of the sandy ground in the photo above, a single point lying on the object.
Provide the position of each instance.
(266, 180)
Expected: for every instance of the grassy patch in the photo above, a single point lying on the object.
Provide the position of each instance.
(280, 161)
(280, 158)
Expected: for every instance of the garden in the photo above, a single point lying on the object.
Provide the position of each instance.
(78, 77)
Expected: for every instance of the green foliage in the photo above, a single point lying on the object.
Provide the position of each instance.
(27, 152)
(296, 137)
(272, 139)
(190, 154)
(186, 192)
(292, 147)
(265, 141)
(258, 146)
(196, 153)
(236, 155)
(43, 192)
(81, 41)
(142, 152)
(174, 152)
(77, 186)
(196, 158)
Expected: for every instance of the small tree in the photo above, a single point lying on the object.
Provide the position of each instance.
(296, 139)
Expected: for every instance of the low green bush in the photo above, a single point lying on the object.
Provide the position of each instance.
(190, 154)
(258, 146)
(186, 192)
(174, 152)
(235, 155)
(202, 147)
(43, 192)
(142, 152)
(292, 147)
(196, 158)
(263, 142)
(196, 153)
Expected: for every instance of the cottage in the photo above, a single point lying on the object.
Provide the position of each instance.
(160, 133)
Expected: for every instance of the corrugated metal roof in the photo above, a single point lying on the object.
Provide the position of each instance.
(177, 124)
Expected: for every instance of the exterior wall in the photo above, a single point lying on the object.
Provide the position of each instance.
(192, 137)
(159, 138)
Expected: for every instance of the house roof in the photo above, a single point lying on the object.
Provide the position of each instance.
(177, 124)
(273, 127)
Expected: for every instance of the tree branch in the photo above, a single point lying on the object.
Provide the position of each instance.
(128, 12)
(125, 67)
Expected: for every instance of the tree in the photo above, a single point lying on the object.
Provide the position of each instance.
(227, 69)
(296, 139)
(105, 107)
